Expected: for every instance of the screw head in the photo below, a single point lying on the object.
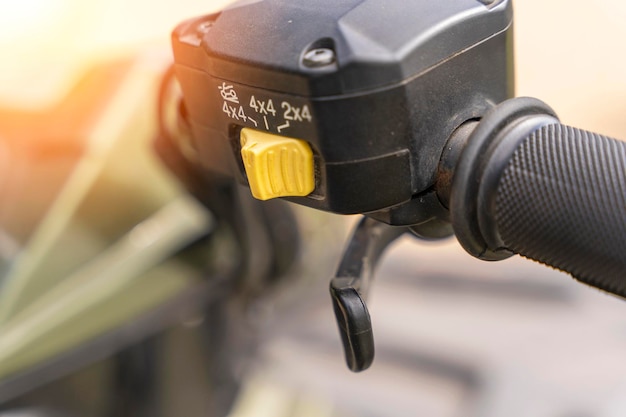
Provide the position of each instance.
(205, 27)
(319, 57)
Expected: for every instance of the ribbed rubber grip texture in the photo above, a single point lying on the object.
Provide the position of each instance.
(562, 201)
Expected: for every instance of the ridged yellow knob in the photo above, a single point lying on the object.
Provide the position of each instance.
(277, 166)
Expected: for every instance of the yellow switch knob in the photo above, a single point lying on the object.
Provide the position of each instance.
(277, 166)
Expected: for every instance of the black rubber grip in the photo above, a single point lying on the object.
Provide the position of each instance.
(561, 200)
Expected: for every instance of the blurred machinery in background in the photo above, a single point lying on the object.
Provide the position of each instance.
(110, 252)
(123, 295)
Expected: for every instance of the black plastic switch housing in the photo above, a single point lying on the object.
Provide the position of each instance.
(375, 87)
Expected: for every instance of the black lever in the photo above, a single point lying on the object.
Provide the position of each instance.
(350, 285)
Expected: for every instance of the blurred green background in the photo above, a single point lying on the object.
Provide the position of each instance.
(89, 220)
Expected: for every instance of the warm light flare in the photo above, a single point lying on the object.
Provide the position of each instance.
(46, 45)
(34, 34)
(30, 19)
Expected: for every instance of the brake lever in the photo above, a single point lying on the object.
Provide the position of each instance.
(350, 286)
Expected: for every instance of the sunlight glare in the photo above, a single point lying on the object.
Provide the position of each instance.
(29, 18)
